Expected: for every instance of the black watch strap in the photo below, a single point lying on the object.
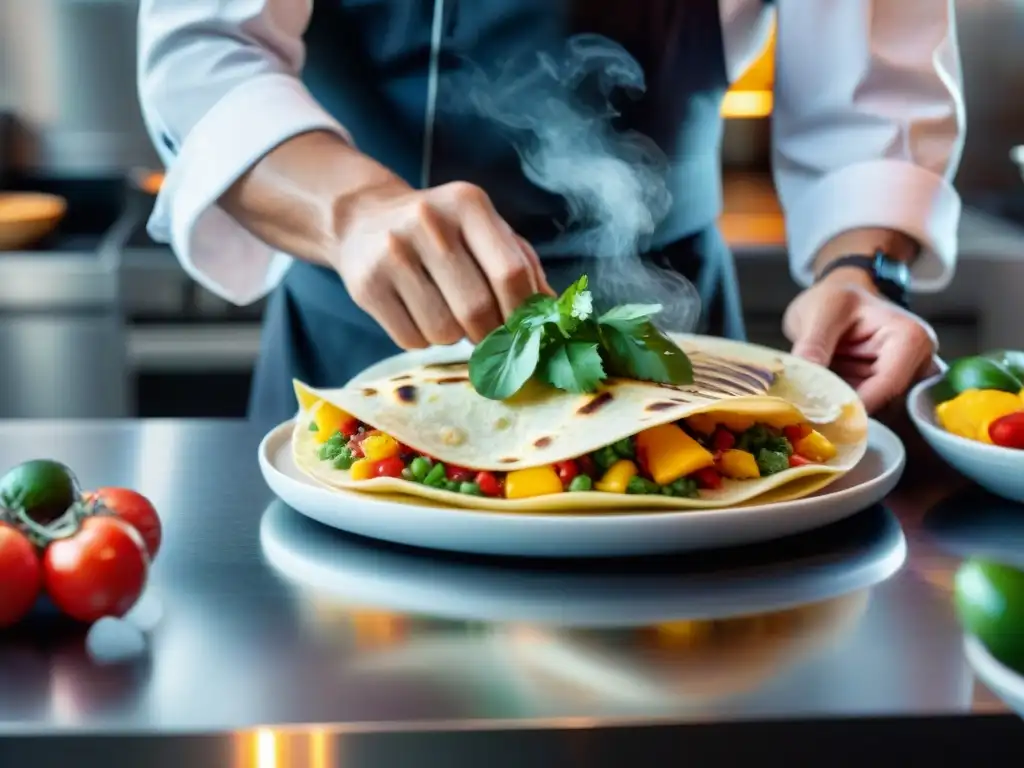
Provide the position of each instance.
(889, 276)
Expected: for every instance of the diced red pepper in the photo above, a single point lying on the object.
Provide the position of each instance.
(723, 439)
(587, 466)
(796, 460)
(566, 470)
(708, 478)
(458, 474)
(389, 467)
(489, 485)
(796, 432)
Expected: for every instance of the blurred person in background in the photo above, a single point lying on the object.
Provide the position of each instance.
(310, 156)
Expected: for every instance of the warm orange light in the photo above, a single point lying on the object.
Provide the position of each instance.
(751, 94)
(747, 104)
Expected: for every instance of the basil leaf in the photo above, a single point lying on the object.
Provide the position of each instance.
(534, 311)
(503, 362)
(637, 350)
(629, 312)
(574, 366)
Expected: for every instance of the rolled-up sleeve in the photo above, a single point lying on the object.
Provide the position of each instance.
(868, 126)
(219, 87)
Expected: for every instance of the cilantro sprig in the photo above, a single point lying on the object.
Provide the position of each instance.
(560, 342)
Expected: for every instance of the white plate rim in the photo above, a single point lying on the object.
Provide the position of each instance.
(1001, 679)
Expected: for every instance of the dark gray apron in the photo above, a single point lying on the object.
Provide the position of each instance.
(368, 63)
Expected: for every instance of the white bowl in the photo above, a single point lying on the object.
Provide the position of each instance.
(1003, 681)
(996, 469)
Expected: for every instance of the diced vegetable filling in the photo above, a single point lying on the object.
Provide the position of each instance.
(678, 459)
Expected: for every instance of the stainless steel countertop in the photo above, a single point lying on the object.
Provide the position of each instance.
(269, 619)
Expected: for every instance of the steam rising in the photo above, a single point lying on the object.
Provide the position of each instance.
(560, 115)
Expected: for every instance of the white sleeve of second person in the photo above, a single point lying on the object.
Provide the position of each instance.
(219, 86)
(868, 126)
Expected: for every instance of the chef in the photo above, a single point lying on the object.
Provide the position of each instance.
(313, 154)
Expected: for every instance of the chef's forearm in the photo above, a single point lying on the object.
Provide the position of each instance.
(865, 241)
(294, 198)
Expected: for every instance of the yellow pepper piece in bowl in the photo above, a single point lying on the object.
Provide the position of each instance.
(969, 413)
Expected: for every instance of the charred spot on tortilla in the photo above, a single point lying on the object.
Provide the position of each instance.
(663, 405)
(543, 442)
(446, 366)
(663, 385)
(450, 380)
(401, 377)
(594, 404)
(406, 393)
(369, 391)
(508, 460)
(749, 382)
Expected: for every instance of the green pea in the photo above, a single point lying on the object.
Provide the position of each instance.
(581, 483)
(666, 490)
(330, 451)
(472, 489)
(451, 485)
(685, 487)
(313, 427)
(420, 467)
(435, 476)
(344, 459)
(642, 485)
(625, 448)
(408, 475)
(337, 439)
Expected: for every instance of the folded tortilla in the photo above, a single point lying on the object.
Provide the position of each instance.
(433, 409)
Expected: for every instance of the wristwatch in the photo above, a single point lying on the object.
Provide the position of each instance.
(890, 276)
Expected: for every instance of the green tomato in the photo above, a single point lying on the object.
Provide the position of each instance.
(989, 600)
(44, 489)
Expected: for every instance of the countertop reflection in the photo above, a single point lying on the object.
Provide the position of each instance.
(269, 619)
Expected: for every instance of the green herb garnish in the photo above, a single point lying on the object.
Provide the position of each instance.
(559, 341)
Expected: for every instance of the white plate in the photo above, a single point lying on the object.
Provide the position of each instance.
(996, 469)
(848, 557)
(579, 535)
(1003, 681)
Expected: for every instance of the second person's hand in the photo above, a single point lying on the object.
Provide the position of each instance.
(432, 266)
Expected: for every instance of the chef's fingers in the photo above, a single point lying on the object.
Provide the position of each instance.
(422, 298)
(438, 242)
(852, 367)
(905, 348)
(391, 314)
(540, 279)
(495, 247)
(821, 326)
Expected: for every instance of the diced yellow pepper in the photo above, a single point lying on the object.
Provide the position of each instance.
(738, 465)
(670, 453)
(329, 419)
(815, 447)
(361, 469)
(969, 413)
(617, 477)
(535, 481)
(380, 446)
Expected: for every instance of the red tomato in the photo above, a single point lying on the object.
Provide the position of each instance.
(349, 426)
(796, 432)
(389, 467)
(796, 460)
(135, 509)
(708, 478)
(457, 473)
(21, 576)
(1008, 430)
(723, 439)
(98, 571)
(489, 485)
(566, 470)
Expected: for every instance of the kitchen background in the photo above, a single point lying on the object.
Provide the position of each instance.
(99, 321)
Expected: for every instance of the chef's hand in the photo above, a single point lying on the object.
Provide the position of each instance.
(432, 266)
(879, 348)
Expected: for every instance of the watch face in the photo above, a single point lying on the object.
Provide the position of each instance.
(892, 271)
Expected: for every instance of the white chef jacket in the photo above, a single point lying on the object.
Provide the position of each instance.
(868, 122)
